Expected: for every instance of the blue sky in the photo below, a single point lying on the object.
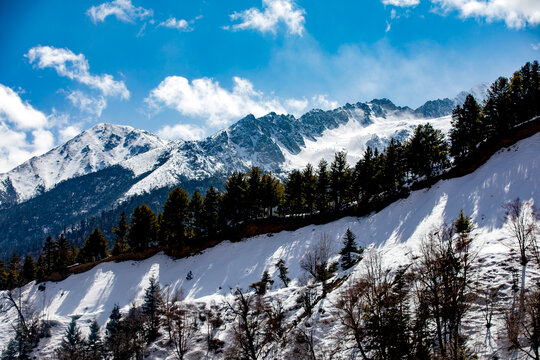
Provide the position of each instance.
(185, 69)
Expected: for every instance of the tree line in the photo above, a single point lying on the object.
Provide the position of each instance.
(189, 223)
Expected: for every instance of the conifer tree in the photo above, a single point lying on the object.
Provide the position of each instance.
(175, 219)
(112, 332)
(151, 309)
(466, 130)
(10, 352)
(262, 286)
(144, 228)
(94, 344)
(322, 196)
(272, 193)
(427, 151)
(14, 275)
(339, 179)
(29, 268)
(283, 271)
(497, 110)
(211, 223)
(234, 198)
(49, 254)
(350, 251)
(309, 189)
(72, 346)
(293, 193)
(65, 257)
(393, 172)
(121, 232)
(94, 248)
(254, 190)
(196, 208)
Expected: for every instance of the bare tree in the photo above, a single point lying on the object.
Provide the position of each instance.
(249, 340)
(523, 327)
(521, 223)
(444, 274)
(184, 330)
(316, 261)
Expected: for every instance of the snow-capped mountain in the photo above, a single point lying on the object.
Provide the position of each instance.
(395, 233)
(95, 149)
(109, 165)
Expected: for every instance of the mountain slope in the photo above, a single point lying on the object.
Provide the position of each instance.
(108, 168)
(100, 147)
(395, 232)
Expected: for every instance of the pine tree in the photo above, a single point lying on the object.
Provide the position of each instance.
(322, 196)
(65, 257)
(234, 199)
(211, 223)
(175, 219)
(309, 189)
(283, 271)
(49, 254)
(14, 275)
(393, 172)
(94, 248)
(29, 269)
(350, 251)
(151, 309)
(196, 208)
(293, 193)
(112, 332)
(339, 179)
(272, 193)
(466, 130)
(261, 287)
(144, 228)
(254, 190)
(72, 346)
(426, 151)
(94, 344)
(121, 232)
(497, 109)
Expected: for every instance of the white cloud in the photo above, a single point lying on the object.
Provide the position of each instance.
(515, 13)
(23, 130)
(536, 46)
(275, 11)
(122, 9)
(205, 98)
(182, 131)
(69, 132)
(174, 23)
(19, 113)
(401, 3)
(76, 67)
(87, 104)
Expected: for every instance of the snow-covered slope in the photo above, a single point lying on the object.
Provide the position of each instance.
(395, 232)
(97, 148)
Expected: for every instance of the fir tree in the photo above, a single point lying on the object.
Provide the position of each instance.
(293, 193)
(211, 212)
(49, 254)
(151, 309)
(272, 193)
(322, 196)
(283, 271)
(112, 332)
(196, 208)
(466, 130)
(144, 228)
(234, 199)
(94, 344)
(94, 248)
(254, 190)
(65, 256)
(427, 151)
(309, 188)
(121, 232)
(262, 286)
(175, 219)
(72, 346)
(29, 269)
(339, 179)
(350, 251)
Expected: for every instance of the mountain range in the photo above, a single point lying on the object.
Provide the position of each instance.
(111, 168)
